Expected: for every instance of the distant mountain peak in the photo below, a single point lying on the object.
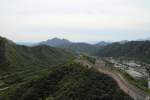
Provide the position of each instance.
(56, 42)
(13, 56)
(123, 41)
(59, 39)
(102, 43)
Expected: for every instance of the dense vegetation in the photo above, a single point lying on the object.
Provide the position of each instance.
(68, 82)
(139, 50)
(16, 56)
(79, 48)
(20, 63)
(88, 58)
(43, 73)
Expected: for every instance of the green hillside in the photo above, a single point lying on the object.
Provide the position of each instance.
(20, 63)
(76, 48)
(47, 73)
(139, 50)
(79, 48)
(16, 56)
(68, 82)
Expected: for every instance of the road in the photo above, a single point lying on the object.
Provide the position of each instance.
(128, 88)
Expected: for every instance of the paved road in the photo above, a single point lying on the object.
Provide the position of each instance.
(131, 90)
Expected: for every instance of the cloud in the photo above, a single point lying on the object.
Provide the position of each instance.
(21, 17)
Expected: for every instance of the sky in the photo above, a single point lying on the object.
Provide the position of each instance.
(76, 20)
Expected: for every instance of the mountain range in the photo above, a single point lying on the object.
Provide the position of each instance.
(139, 50)
(56, 42)
(76, 47)
(47, 70)
(47, 73)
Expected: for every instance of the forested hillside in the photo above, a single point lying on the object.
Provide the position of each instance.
(17, 57)
(47, 73)
(79, 48)
(139, 50)
(68, 82)
(20, 63)
(76, 48)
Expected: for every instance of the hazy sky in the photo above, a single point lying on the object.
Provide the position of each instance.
(77, 20)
